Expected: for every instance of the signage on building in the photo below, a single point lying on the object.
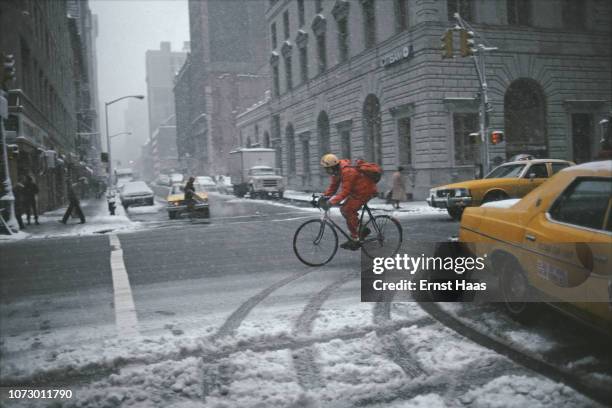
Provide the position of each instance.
(398, 55)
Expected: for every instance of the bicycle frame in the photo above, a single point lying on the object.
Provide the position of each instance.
(327, 218)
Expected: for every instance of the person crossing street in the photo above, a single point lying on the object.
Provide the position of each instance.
(73, 198)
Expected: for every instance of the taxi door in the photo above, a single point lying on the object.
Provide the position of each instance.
(558, 242)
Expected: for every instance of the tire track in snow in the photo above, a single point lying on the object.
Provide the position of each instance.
(306, 369)
(525, 359)
(391, 343)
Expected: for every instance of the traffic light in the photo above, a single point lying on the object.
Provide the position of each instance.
(104, 157)
(467, 44)
(446, 44)
(8, 69)
(497, 136)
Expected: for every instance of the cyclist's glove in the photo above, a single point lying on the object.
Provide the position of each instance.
(324, 203)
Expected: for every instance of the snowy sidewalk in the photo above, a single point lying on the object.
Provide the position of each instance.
(98, 221)
(412, 207)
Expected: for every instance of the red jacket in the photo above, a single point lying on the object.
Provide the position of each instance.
(354, 184)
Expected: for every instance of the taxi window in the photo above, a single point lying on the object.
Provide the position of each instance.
(584, 203)
(556, 167)
(538, 169)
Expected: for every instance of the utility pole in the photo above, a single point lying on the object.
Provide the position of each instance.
(477, 52)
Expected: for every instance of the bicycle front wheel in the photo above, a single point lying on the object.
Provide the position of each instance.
(315, 242)
(385, 237)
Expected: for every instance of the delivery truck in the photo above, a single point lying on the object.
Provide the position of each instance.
(252, 171)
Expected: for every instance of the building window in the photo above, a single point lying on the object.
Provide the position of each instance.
(322, 52)
(405, 141)
(304, 63)
(343, 38)
(301, 13)
(369, 23)
(276, 81)
(574, 14)
(273, 36)
(288, 72)
(290, 137)
(519, 12)
(286, 24)
(323, 134)
(465, 145)
(306, 158)
(372, 129)
(463, 7)
(318, 6)
(345, 143)
(401, 15)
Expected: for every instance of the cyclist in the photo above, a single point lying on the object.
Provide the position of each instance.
(189, 191)
(357, 189)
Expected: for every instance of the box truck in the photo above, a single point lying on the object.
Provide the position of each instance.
(252, 171)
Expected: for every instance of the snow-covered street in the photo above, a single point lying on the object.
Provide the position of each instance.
(224, 315)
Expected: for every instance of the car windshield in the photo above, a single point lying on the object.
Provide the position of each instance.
(263, 171)
(506, 171)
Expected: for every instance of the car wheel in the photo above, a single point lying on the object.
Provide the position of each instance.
(455, 212)
(252, 193)
(494, 196)
(280, 195)
(515, 288)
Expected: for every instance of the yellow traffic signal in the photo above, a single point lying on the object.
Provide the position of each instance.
(467, 44)
(446, 44)
(497, 137)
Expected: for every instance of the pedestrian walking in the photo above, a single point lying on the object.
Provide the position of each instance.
(398, 191)
(31, 205)
(73, 198)
(19, 193)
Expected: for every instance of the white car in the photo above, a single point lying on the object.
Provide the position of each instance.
(206, 182)
(163, 180)
(176, 178)
(136, 193)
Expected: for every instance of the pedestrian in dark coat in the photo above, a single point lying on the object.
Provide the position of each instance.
(19, 193)
(31, 191)
(398, 192)
(73, 198)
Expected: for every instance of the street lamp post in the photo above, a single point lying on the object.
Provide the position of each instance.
(108, 138)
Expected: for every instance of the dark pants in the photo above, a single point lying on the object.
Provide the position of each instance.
(18, 214)
(31, 209)
(76, 207)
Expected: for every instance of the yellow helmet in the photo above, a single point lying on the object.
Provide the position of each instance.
(329, 160)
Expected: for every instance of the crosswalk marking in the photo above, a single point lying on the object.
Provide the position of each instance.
(125, 311)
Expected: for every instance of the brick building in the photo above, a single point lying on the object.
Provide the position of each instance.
(225, 72)
(51, 100)
(366, 79)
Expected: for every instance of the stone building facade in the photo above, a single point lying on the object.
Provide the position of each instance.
(365, 78)
(225, 73)
(47, 103)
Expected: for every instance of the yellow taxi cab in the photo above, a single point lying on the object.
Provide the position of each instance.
(510, 180)
(553, 246)
(176, 204)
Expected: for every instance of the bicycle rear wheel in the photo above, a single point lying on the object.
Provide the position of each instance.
(385, 237)
(315, 242)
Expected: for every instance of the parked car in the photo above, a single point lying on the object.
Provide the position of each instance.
(207, 183)
(176, 178)
(177, 205)
(135, 193)
(556, 241)
(510, 180)
(163, 180)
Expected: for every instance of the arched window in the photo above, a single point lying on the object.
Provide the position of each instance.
(266, 139)
(290, 137)
(323, 133)
(525, 118)
(372, 133)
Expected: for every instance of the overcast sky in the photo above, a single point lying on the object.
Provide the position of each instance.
(127, 29)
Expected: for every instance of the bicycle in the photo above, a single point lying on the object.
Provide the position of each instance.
(315, 242)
